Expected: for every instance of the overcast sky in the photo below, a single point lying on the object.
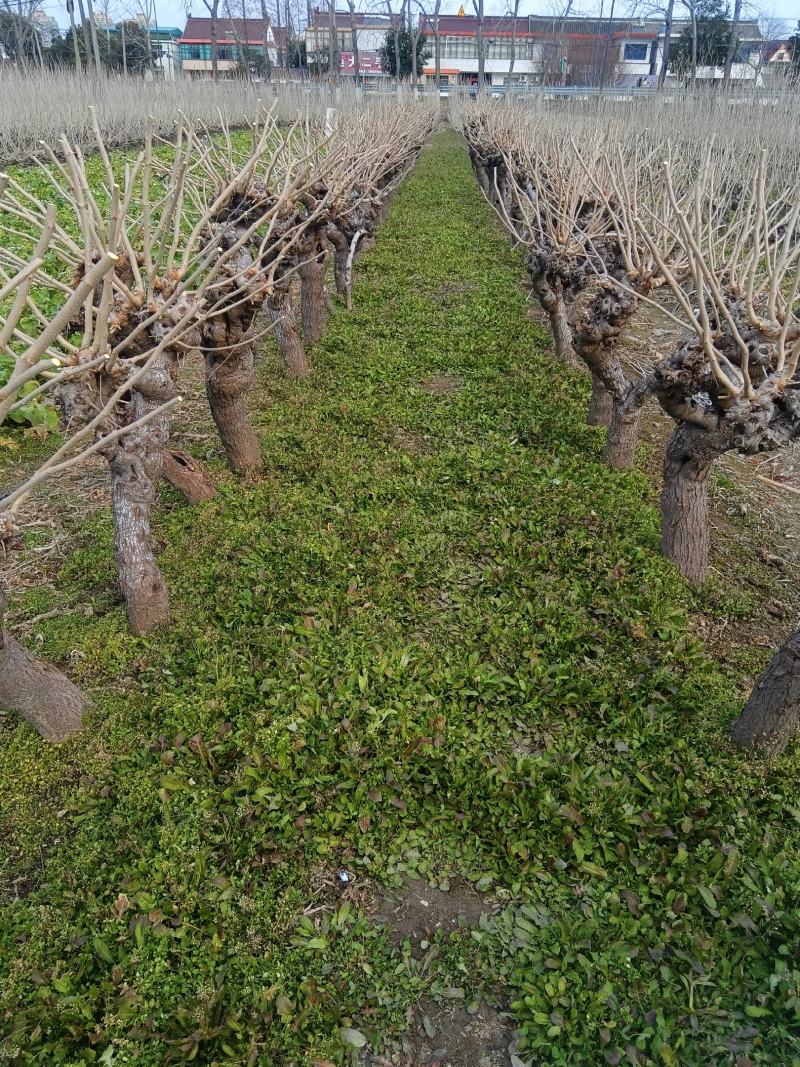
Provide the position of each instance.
(173, 12)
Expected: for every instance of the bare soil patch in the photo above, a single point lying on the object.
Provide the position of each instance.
(444, 1035)
(440, 384)
(416, 444)
(415, 911)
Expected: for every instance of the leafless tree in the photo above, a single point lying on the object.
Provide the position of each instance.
(480, 41)
(278, 33)
(19, 15)
(513, 14)
(212, 7)
(334, 56)
(668, 20)
(432, 21)
(265, 38)
(733, 41)
(354, 41)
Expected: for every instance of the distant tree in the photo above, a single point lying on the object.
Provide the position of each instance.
(705, 43)
(18, 36)
(15, 37)
(794, 46)
(388, 58)
(133, 55)
(321, 63)
(136, 55)
(62, 51)
(296, 53)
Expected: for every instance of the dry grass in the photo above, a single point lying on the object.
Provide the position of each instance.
(41, 106)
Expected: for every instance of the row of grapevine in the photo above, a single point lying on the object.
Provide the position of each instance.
(186, 250)
(615, 213)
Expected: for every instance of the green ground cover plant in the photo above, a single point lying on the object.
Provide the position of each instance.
(436, 638)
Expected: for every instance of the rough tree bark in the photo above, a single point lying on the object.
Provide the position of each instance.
(562, 334)
(313, 296)
(771, 717)
(136, 464)
(733, 42)
(662, 74)
(229, 376)
(188, 476)
(481, 173)
(42, 695)
(348, 270)
(689, 456)
(551, 297)
(623, 435)
(229, 349)
(341, 250)
(615, 401)
(281, 314)
(600, 404)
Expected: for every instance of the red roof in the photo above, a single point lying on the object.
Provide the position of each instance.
(198, 31)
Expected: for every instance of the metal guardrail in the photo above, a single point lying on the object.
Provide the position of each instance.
(620, 94)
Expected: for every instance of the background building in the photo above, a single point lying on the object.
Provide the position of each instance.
(240, 47)
(371, 33)
(573, 51)
(166, 51)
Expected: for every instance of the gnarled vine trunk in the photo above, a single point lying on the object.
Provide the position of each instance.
(229, 376)
(600, 403)
(623, 435)
(596, 336)
(188, 476)
(313, 297)
(688, 459)
(136, 464)
(341, 250)
(229, 344)
(771, 717)
(281, 313)
(551, 297)
(562, 334)
(40, 693)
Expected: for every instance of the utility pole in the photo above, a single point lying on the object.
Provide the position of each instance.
(95, 46)
(333, 45)
(608, 46)
(265, 38)
(478, 6)
(74, 35)
(87, 44)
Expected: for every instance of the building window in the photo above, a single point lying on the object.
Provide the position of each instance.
(635, 52)
(195, 51)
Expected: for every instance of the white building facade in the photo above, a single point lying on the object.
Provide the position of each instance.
(575, 51)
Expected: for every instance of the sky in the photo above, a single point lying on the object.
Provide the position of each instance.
(173, 12)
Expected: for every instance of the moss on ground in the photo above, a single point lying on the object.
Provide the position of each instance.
(436, 637)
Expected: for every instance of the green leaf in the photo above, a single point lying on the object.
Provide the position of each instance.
(102, 949)
(709, 899)
(172, 781)
(352, 1037)
(592, 868)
